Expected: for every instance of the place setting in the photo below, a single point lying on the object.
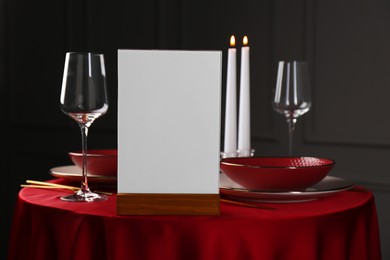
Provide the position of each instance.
(84, 99)
(101, 163)
(289, 179)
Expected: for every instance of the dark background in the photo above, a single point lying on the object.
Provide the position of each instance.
(347, 45)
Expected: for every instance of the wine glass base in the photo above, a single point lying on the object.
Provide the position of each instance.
(81, 196)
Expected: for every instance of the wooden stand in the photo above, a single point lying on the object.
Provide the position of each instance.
(167, 204)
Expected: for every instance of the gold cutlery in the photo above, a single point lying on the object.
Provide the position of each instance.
(247, 204)
(49, 185)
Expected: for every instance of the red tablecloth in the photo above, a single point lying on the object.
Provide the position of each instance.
(343, 226)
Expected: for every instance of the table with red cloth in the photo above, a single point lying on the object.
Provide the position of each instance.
(342, 226)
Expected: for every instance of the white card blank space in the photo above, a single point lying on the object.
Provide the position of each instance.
(169, 121)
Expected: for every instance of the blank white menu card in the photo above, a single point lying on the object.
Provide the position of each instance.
(169, 121)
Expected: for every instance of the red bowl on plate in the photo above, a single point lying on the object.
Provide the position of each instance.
(276, 173)
(99, 161)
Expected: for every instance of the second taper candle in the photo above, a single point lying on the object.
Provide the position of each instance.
(244, 133)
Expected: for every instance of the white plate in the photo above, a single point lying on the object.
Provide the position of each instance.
(72, 173)
(328, 186)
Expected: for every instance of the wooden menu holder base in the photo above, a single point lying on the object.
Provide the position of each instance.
(167, 204)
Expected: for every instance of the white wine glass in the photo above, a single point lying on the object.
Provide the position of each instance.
(84, 99)
(292, 96)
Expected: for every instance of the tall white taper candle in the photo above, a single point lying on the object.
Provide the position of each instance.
(230, 143)
(244, 135)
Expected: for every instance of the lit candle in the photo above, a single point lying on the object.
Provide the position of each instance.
(244, 135)
(230, 144)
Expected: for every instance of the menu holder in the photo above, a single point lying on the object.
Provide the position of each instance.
(168, 132)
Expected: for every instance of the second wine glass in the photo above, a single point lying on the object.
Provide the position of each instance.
(292, 97)
(84, 99)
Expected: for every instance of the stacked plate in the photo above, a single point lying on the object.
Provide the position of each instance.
(101, 164)
(279, 179)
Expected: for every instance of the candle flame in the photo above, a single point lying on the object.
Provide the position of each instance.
(245, 40)
(232, 41)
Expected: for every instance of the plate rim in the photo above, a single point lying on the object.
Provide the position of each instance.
(284, 196)
(61, 174)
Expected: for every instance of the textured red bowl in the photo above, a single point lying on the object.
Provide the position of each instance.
(99, 161)
(276, 173)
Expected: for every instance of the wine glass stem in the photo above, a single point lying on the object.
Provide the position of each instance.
(84, 135)
(291, 126)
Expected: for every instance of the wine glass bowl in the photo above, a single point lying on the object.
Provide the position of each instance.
(292, 111)
(292, 97)
(84, 99)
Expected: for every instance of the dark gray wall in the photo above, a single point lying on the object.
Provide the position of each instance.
(345, 42)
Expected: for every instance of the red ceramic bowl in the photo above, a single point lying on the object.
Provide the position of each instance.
(276, 173)
(99, 162)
